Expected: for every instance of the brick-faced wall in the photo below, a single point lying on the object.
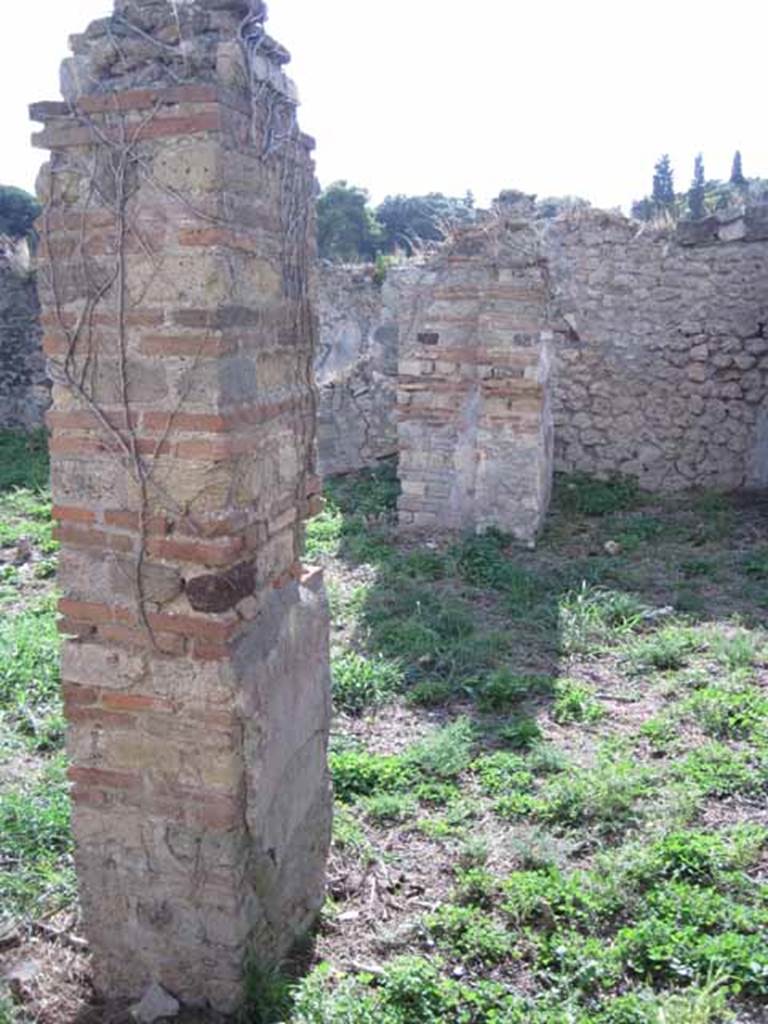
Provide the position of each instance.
(474, 410)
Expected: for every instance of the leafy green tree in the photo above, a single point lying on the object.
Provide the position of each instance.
(408, 221)
(18, 212)
(347, 231)
(663, 194)
(697, 190)
(642, 209)
(737, 174)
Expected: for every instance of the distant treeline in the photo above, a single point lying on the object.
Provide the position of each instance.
(350, 230)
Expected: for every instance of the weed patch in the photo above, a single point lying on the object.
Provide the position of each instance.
(36, 874)
(360, 683)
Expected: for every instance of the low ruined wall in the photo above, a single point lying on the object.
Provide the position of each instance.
(24, 387)
(662, 354)
(660, 350)
(356, 370)
(660, 358)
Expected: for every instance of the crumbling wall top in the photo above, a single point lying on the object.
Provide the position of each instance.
(150, 43)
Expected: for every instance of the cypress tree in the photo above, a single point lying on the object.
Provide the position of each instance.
(663, 193)
(696, 191)
(737, 174)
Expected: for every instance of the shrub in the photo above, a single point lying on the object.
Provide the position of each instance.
(720, 771)
(475, 887)
(582, 964)
(444, 753)
(730, 711)
(521, 733)
(389, 808)
(431, 693)
(547, 898)
(425, 564)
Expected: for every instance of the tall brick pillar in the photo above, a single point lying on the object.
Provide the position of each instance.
(175, 251)
(474, 405)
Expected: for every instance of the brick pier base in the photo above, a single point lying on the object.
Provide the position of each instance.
(174, 256)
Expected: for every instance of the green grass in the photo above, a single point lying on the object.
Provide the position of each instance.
(668, 649)
(531, 756)
(36, 873)
(582, 495)
(587, 715)
(29, 675)
(593, 616)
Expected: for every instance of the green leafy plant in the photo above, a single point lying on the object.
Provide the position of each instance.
(720, 771)
(469, 934)
(361, 683)
(607, 798)
(502, 689)
(575, 702)
(667, 650)
(502, 772)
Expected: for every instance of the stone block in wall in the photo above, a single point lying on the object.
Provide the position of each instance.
(195, 660)
(756, 224)
(698, 232)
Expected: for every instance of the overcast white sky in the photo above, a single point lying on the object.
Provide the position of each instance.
(549, 96)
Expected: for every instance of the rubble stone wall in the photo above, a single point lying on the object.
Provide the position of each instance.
(662, 352)
(356, 370)
(660, 348)
(24, 387)
(175, 279)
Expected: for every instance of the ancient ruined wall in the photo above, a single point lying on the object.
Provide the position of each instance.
(474, 415)
(356, 369)
(660, 357)
(175, 276)
(662, 352)
(24, 387)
